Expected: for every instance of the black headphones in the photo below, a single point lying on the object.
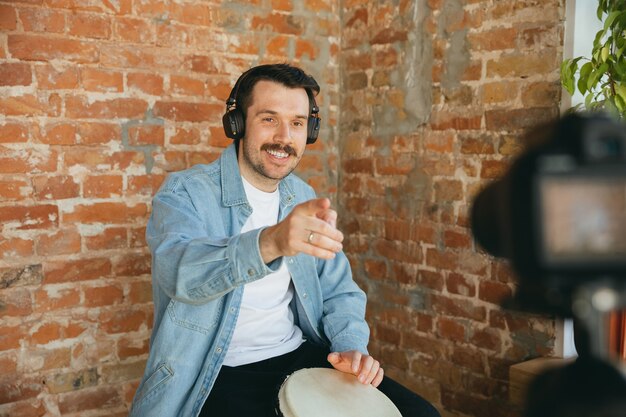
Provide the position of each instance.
(235, 124)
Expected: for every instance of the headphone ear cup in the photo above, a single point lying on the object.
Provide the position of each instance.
(313, 129)
(234, 125)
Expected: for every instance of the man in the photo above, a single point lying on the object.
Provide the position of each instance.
(249, 279)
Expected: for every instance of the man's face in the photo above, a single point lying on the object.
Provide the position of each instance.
(276, 131)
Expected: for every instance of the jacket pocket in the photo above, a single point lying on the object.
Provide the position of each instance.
(201, 318)
(155, 383)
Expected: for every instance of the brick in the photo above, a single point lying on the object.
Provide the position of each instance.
(8, 363)
(185, 136)
(76, 270)
(101, 160)
(459, 308)
(486, 339)
(55, 188)
(218, 138)
(15, 74)
(30, 105)
(103, 295)
(186, 86)
(138, 237)
(109, 238)
(132, 264)
(72, 381)
(30, 408)
(89, 25)
(16, 303)
(55, 134)
(451, 329)
(406, 252)
(123, 321)
(79, 107)
(42, 20)
(20, 276)
(8, 17)
(147, 83)
(43, 48)
(494, 292)
(493, 40)
(128, 347)
(17, 389)
(102, 186)
(278, 23)
(146, 135)
(94, 398)
(29, 217)
(132, 29)
(453, 239)
(14, 189)
(522, 65)
(306, 49)
(468, 358)
(121, 372)
(16, 248)
(112, 213)
(278, 45)
(13, 132)
(500, 91)
(186, 111)
(140, 292)
(443, 121)
(64, 241)
(144, 184)
(99, 133)
(493, 169)
(46, 333)
(56, 78)
(50, 298)
(93, 79)
(389, 36)
(448, 190)
(461, 285)
(541, 94)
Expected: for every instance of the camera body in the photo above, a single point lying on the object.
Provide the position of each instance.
(559, 213)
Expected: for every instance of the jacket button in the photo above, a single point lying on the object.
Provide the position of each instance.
(218, 350)
(304, 295)
(250, 272)
(290, 260)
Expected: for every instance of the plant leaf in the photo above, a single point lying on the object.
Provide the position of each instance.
(595, 76)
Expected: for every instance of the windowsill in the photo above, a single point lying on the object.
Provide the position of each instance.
(522, 374)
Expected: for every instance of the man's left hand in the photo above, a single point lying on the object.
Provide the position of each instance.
(365, 367)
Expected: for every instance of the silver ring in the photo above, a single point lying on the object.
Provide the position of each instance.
(310, 239)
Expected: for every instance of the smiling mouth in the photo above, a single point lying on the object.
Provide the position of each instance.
(278, 151)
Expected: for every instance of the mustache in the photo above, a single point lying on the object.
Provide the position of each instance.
(277, 147)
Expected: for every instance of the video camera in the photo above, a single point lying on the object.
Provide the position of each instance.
(559, 216)
(559, 213)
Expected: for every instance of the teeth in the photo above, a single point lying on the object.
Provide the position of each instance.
(278, 154)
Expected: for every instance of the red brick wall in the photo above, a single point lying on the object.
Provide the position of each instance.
(98, 101)
(422, 102)
(435, 94)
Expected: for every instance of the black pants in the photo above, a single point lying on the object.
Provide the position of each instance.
(251, 390)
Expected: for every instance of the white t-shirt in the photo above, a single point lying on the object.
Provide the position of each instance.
(265, 327)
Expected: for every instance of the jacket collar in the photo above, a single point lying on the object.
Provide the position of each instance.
(233, 193)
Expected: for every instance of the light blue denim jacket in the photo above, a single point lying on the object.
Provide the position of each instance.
(200, 262)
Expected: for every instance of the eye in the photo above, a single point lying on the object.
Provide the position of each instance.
(269, 120)
(298, 123)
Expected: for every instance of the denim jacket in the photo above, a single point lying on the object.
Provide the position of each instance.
(200, 262)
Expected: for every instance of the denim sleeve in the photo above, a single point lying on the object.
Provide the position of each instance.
(344, 306)
(195, 262)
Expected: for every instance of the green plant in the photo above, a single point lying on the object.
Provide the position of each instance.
(602, 78)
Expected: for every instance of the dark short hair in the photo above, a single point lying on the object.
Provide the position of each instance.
(285, 74)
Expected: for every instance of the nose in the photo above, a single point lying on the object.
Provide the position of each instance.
(283, 132)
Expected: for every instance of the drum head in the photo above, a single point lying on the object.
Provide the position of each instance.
(316, 392)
